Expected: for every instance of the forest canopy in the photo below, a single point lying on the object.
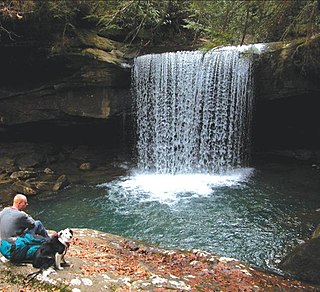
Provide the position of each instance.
(152, 22)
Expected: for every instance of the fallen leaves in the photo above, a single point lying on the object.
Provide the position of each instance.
(104, 261)
(187, 269)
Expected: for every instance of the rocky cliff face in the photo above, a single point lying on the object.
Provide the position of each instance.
(287, 70)
(87, 82)
(287, 89)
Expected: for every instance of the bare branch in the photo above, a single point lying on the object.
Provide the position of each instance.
(9, 33)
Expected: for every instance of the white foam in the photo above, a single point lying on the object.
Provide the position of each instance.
(169, 189)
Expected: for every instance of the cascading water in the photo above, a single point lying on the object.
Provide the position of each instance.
(193, 111)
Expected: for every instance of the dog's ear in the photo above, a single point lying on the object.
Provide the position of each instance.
(60, 233)
(71, 231)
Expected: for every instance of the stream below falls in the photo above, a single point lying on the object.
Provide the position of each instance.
(254, 214)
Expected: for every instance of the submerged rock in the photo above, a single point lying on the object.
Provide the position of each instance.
(22, 174)
(61, 183)
(316, 233)
(85, 166)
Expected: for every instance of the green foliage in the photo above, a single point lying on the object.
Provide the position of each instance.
(238, 21)
(217, 22)
(146, 19)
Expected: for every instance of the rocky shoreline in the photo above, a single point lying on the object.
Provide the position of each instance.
(106, 262)
(44, 169)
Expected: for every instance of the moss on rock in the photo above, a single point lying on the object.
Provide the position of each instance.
(102, 56)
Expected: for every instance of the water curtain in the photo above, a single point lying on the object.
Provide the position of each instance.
(193, 110)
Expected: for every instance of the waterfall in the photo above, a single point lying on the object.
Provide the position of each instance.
(194, 111)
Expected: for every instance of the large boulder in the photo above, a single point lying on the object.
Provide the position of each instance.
(304, 261)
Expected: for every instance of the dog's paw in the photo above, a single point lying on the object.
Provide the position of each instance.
(60, 268)
(4, 260)
(65, 264)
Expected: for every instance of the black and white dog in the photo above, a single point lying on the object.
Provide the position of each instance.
(53, 250)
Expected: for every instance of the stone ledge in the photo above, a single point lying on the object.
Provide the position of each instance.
(106, 262)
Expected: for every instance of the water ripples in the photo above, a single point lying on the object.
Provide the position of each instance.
(245, 219)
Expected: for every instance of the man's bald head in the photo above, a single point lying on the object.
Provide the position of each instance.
(20, 202)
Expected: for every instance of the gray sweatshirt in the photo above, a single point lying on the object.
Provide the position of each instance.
(14, 222)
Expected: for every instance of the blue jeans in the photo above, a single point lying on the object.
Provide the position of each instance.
(38, 229)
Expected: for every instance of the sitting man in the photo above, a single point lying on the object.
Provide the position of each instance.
(15, 222)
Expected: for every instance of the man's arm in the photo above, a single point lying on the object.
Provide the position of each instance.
(25, 221)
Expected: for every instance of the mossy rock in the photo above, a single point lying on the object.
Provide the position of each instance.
(102, 56)
(92, 39)
(82, 39)
(316, 233)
